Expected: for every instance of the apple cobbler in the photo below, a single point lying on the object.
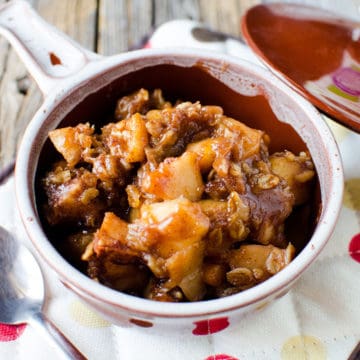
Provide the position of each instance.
(174, 202)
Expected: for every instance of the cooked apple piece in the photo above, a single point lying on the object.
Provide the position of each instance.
(185, 270)
(228, 221)
(205, 152)
(134, 196)
(128, 138)
(245, 139)
(134, 103)
(175, 177)
(208, 150)
(72, 196)
(255, 263)
(213, 274)
(113, 231)
(175, 234)
(71, 141)
(178, 223)
(216, 210)
(108, 168)
(298, 171)
(113, 237)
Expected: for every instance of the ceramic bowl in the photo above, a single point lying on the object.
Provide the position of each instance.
(80, 86)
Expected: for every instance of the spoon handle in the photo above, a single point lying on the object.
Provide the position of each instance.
(56, 337)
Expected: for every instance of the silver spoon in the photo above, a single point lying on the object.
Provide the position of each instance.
(22, 294)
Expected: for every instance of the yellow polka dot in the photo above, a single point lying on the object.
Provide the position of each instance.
(352, 194)
(86, 317)
(303, 348)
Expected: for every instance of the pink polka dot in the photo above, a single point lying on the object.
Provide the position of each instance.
(354, 248)
(11, 332)
(221, 357)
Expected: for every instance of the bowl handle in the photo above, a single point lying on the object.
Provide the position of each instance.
(49, 55)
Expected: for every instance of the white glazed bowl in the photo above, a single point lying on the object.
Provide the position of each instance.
(80, 86)
(225, 81)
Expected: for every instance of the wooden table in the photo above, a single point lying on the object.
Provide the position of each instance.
(109, 27)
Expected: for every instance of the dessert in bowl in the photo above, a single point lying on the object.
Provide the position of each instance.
(174, 203)
(224, 90)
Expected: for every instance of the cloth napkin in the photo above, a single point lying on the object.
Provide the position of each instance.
(318, 319)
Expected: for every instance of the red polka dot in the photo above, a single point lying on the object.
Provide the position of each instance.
(11, 332)
(354, 248)
(221, 357)
(207, 327)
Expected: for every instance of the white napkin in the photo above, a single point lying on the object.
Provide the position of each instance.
(318, 319)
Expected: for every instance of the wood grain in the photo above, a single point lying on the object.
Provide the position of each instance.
(110, 27)
(168, 10)
(19, 95)
(106, 26)
(10, 102)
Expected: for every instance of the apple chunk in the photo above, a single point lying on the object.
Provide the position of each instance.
(175, 177)
(128, 138)
(177, 227)
(71, 141)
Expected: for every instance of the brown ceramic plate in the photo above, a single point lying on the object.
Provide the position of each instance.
(314, 51)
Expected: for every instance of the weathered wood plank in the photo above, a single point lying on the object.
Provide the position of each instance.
(165, 10)
(122, 24)
(224, 16)
(140, 15)
(75, 18)
(12, 74)
(10, 101)
(4, 48)
(112, 27)
(19, 95)
(4, 54)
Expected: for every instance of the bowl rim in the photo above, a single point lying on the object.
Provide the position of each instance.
(83, 285)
